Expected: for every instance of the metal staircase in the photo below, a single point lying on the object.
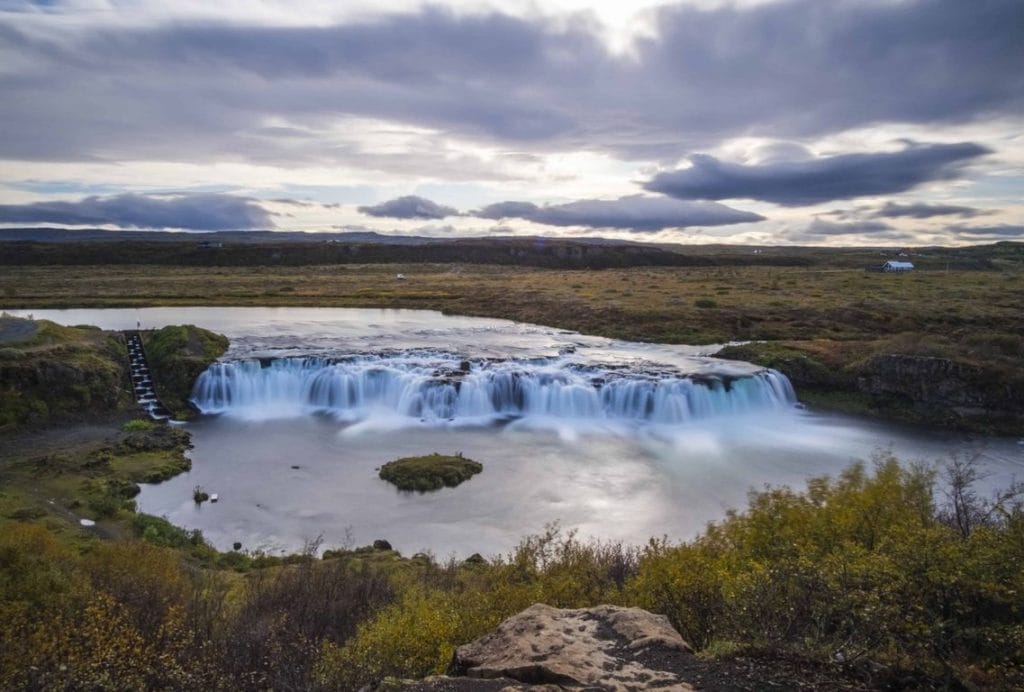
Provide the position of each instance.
(142, 381)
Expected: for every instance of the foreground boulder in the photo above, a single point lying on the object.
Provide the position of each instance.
(601, 648)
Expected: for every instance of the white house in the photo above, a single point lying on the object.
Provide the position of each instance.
(894, 266)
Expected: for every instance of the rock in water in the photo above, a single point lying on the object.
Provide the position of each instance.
(606, 648)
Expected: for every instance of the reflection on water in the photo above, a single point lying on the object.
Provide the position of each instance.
(607, 480)
(607, 483)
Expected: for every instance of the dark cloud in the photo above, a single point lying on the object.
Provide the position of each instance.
(920, 210)
(198, 212)
(808, 182)
(410, 207)
(633, 213)
(791, 69)
(507, 210)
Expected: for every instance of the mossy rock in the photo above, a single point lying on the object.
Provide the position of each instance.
(430, 472)
(177, 355)
(58, 374)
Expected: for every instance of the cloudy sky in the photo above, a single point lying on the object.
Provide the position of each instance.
(879, 122)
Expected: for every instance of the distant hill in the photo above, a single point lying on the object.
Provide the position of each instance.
(58, 246)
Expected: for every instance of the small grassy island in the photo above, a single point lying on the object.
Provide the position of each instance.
(430, 472)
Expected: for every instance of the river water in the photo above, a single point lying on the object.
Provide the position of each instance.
(617, 440)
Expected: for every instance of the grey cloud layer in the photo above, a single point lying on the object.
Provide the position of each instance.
(821, 227)
(633, 213)
(198, 212)
(793, 68)
(813, 181)
(409, 207)
(921, 210)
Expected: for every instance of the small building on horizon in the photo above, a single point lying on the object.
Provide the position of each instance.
(895, 266)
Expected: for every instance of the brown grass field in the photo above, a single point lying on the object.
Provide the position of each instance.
(674, 305)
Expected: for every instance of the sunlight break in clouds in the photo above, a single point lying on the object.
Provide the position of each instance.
(781, 109)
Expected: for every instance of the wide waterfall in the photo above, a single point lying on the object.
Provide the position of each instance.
(439, 387)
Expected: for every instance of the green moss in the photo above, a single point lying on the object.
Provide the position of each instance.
(151, 467)
(431, 472)
(177, 355)
(803, 369)
(60, 373)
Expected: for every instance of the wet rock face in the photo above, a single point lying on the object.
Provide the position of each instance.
(604, 648)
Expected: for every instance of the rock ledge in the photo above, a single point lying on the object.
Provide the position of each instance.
(601, 648)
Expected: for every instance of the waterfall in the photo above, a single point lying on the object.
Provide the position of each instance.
(440, 387)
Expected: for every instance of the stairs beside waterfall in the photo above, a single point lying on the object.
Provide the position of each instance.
(142, 380)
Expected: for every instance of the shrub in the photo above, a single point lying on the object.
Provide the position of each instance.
(159, 531)
(289, 615)
(411, 638)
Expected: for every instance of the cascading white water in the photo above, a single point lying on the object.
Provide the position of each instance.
(441, 387)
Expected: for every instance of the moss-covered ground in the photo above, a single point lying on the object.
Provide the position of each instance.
(51, 372)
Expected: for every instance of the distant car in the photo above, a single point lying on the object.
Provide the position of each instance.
(400, 277)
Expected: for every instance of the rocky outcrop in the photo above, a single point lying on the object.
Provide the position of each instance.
(940, 385)
(177, 355)
(600, 648)
(940, 392)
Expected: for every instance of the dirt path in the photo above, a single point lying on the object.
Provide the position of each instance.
(59, 439)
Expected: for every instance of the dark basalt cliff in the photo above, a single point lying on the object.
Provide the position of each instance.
(942, 387)
(934, 391)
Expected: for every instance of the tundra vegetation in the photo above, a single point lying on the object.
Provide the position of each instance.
(889, 575)
(873, 578)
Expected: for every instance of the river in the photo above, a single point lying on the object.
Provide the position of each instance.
(617, 440)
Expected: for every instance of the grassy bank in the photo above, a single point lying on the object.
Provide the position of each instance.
(87, 471)
(51, 373)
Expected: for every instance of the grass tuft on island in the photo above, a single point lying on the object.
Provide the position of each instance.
(430, 472)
